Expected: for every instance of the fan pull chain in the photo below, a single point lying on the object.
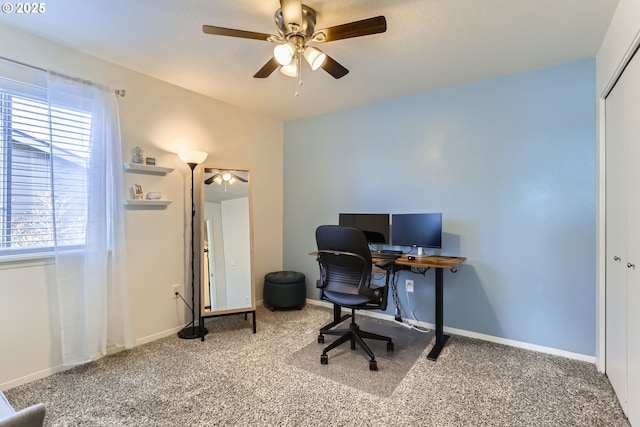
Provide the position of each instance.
(297, 92)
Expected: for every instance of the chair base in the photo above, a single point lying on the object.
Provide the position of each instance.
(354, 335)
(337, 319)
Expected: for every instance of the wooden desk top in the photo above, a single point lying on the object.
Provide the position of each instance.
(433, 261)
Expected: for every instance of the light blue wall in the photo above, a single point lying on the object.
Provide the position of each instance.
(510, 162)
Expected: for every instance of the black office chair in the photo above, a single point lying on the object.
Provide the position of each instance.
(345, 280)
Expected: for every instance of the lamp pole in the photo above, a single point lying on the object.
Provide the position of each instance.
(192, 332)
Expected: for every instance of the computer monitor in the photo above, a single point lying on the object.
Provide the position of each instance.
(422, 230)
(374, 226)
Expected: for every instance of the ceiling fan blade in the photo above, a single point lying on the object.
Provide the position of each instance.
(239, 178)
(209, 180)
(332, 67)
(364, 27)
(267, 69)
(230, 32)
(291, 11)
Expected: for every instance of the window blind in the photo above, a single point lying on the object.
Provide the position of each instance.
(44, 156)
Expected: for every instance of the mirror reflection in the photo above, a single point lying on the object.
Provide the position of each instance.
(227, 241)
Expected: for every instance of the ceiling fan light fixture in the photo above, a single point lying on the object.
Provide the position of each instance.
(218, 179)
(226, 176)
(315, 57)
(284, 53)
(296, 25)
(290, 70)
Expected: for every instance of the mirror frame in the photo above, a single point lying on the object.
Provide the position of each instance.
(202, 237)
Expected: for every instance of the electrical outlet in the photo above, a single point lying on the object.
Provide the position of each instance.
(409, 285)
(175, 289)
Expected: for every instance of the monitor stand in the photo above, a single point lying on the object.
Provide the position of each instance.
(420, 253)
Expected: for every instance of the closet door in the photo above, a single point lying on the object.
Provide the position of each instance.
(616, 219)
(632, 138)
(623, 240)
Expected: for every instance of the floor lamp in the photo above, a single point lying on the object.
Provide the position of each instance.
(193, 159)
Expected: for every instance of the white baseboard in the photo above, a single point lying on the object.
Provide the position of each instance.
(476, 335)
(159, 335)
(33, 377)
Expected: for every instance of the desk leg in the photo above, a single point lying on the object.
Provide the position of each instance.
(441, 338)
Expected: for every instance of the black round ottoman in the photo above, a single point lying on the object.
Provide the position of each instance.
(284, 289)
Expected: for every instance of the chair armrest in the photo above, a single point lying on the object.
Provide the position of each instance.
(32, 416)
(376, 293)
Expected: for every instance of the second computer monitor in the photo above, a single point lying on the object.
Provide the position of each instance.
(423, 230)
(374, 226)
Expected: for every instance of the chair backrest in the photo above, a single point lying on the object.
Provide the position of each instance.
(345, 259)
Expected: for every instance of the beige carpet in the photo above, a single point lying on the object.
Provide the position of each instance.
(238, 378)
(351, 367)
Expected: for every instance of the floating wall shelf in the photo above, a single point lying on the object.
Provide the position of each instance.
(132, 202)
(140, 168)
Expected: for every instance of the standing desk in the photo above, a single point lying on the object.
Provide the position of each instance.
(419, 265)
(422, 264)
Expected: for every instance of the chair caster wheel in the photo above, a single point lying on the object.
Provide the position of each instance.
(373, 365)
(389, 346)
(320, 339)
(324, 359)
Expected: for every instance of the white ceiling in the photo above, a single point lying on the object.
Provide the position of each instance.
(429, 44)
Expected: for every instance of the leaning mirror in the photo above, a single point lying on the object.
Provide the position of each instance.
(226, 249)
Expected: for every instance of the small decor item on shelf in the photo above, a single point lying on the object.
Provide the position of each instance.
(137, 192)
(154, 195)
(151, 161)
(137, 154)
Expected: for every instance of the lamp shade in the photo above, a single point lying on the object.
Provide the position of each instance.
(284, 53)
(192, 156)
(315, 57)
(290, 70)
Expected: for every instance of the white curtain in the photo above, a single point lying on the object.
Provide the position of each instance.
(90, 275)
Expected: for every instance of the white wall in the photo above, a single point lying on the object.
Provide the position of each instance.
(162, 119)
(621, 40)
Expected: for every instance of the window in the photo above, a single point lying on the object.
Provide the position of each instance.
(44, 156)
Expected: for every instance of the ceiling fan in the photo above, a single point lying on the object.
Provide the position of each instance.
(222, 176)
(296, 32)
